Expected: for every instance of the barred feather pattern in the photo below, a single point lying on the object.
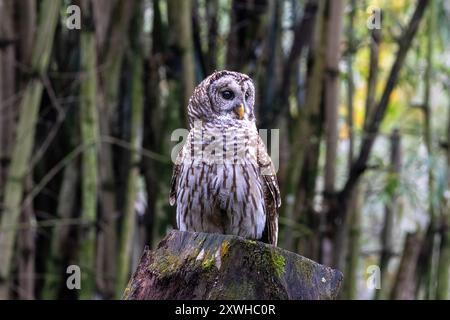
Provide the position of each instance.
(224, 180)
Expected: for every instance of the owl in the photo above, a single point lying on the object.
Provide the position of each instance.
(223, 179)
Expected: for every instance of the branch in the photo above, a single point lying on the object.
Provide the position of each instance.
(360, 165)
(303, 32)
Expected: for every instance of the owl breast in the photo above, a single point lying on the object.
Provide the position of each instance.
(220, 187)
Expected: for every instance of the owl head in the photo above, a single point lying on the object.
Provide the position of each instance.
(224, 97)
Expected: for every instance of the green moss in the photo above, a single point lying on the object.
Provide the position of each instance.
(208, 263)
(265, 258)
(305, 268)
(224, 248)
(236, 290)
(165, 264)
(278, 262)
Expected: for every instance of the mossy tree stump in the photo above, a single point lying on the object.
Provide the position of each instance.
(190, 265)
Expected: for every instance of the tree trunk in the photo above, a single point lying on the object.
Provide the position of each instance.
(189, 265)
(25, 137)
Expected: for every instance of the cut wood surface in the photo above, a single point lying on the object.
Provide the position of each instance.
(190, 265)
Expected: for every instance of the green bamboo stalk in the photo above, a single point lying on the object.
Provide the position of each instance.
(128, 226)
(303, 129)
(444, 262)
(66, 201)
(89, 181)
(443, 275)
(430, 275)
(107, 96)
(29, 108)
(180, 19)
(354, 224)
(350, 288)
(391, 211)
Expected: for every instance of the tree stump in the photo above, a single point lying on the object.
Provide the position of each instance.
(191, 265)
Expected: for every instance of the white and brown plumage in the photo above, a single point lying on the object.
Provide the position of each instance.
(224, 180)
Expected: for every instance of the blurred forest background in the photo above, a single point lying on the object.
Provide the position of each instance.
(86, 116)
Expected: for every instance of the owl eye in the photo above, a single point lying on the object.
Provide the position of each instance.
(227, 94)
(247, 95)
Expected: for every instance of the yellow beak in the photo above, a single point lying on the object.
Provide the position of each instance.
(240, 110)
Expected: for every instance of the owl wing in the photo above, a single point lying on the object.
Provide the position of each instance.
(272, 197)
(175, 174)
(173, 185)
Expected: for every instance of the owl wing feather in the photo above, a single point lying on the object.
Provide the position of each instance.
(173, 185)
(272, 197)
(176, 171)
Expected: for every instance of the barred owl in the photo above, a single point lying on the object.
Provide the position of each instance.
(223, 179)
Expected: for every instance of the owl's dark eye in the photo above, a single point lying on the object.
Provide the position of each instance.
(227, 94)
(247, 95)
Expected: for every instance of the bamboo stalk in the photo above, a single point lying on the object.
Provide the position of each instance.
(129, 223)
(443, 276)
(66, 201)
(29, 107)
(427, 270)
(107, 95)
(350, 286)
(332, 57)
(181, 18)
(89, 181)
(302, 130)
(127, 234)
(404, 286)
(359, 166)
(354, 224)
(389, 216)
